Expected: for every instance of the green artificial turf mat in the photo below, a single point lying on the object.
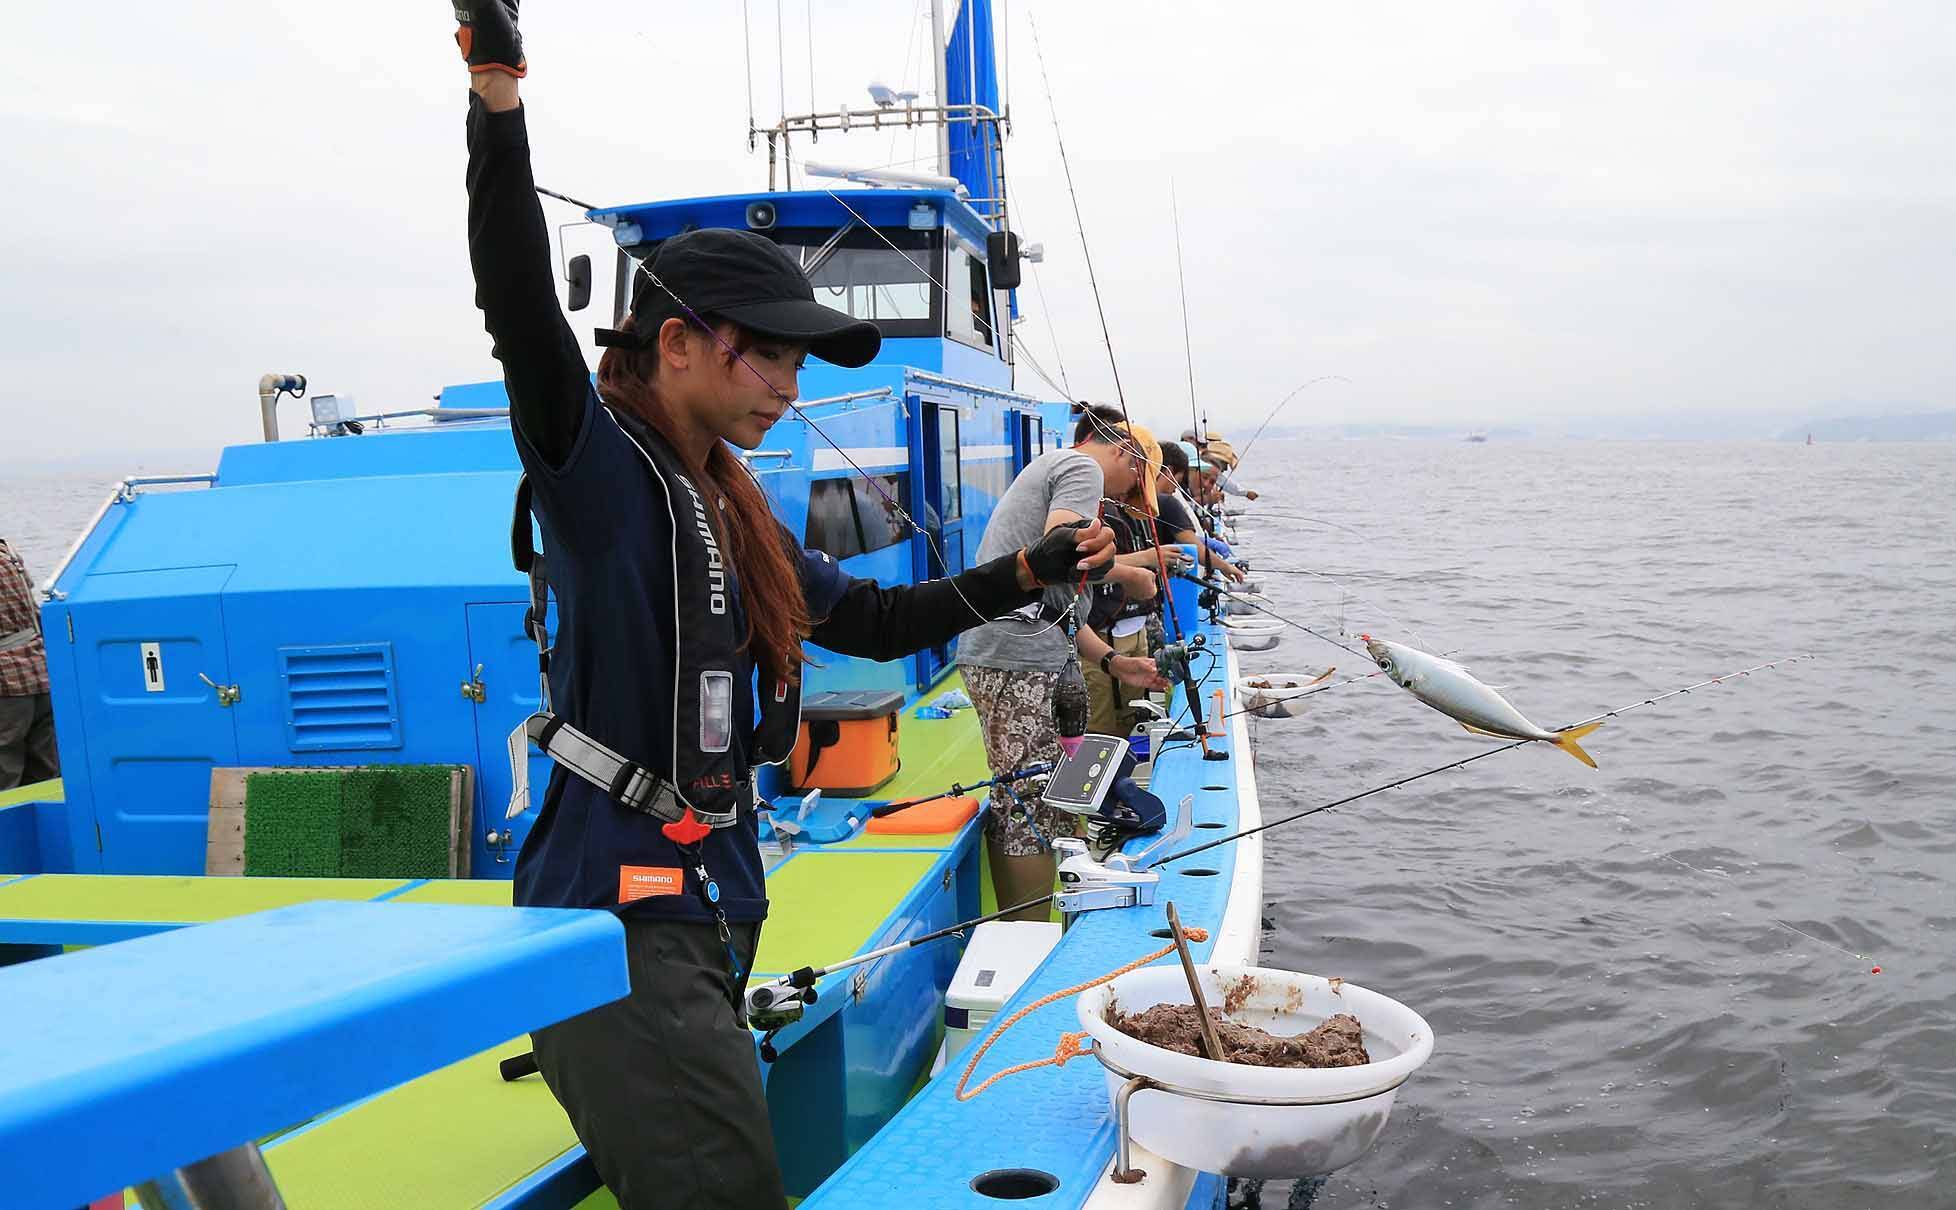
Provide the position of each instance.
(382, 821)
(171, 899)
(394, 822)
(455, 1137)
(824, 906)
(292, 825)
(485, 892)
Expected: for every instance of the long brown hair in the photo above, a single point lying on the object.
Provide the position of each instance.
(770, 583)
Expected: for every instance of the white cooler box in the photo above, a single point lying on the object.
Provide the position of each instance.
(998, 959)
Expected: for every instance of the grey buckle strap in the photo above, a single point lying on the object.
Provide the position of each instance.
(627, 782)
(18, 639)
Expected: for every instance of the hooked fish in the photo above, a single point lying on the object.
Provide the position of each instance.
(1454, 692)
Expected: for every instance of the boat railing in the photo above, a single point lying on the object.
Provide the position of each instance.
(938, 380)
(123, 493)
(379, 419)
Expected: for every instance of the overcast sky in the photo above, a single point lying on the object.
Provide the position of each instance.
(1477, 213)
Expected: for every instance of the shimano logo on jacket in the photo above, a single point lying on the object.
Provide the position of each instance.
(716, 573)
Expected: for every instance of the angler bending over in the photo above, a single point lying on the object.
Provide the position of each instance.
(1013, 667)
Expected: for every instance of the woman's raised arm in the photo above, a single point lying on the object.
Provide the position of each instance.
(509, 245)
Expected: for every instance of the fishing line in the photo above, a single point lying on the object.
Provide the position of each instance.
(1251, 602)
(946, 294)
(1468, 760)
(1313, 690)
(644, 267)
(1280, 407)
(1353, 596)
(1078, 223)
(1773, 920)
(1273, 515)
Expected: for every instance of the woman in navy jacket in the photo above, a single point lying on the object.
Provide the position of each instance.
(677, 590)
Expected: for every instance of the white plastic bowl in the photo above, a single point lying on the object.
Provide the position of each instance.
(1277, 694)
(1253, 634)
(1246, 605)
(1269, 1141)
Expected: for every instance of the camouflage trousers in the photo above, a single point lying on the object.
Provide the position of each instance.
(1015, 711)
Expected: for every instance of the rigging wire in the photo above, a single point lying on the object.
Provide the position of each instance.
(1052, 333)
(747, 51)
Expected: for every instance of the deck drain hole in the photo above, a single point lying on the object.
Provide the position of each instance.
(1211, 825)
(1014, 1184)
(1202, 873)
(1215, 787)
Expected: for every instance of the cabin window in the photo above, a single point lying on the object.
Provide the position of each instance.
(970, 317)
(847, 516)
(861, 273)
(878, 513)
(950, 503)
(832, 519)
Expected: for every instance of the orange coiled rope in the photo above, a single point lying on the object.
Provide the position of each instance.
(1070, 1043)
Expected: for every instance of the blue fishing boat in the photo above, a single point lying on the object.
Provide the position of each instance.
(328, 627)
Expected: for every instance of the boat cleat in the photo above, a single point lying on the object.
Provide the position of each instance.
(1087, 885)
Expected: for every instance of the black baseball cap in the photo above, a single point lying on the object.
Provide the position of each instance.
(747, 278)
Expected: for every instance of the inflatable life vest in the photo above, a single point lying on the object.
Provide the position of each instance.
(703, 770)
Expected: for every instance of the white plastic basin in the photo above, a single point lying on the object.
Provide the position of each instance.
(1277, 694)
(1267, 1141)
(1244, 606)
(1253, 634)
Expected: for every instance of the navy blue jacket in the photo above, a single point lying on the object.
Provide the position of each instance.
(606, 539)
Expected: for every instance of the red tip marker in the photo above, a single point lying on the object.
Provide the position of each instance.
(1875, 971)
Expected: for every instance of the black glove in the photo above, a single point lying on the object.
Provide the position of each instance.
(488, 37)
(1054, 559)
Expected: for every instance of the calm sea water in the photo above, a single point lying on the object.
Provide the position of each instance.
(1625, 1014)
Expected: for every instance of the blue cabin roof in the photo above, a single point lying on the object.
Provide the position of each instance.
(794, 208)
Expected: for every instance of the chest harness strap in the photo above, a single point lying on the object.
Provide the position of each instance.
(624, 780)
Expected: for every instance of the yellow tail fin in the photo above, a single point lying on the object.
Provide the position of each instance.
(1566, 740)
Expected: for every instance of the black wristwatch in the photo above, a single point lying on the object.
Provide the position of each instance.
(1107, 661)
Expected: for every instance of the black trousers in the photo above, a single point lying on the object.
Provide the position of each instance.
(663, 1087)
(27, 751)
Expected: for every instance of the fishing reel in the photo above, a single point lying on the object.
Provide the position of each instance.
(775, 1005)
(1172, 660)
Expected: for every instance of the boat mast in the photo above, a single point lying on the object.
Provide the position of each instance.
(938, 44)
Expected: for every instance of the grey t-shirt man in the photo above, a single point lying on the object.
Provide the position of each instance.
(1026, 642)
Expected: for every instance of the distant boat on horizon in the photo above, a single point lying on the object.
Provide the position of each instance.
(1476, 438)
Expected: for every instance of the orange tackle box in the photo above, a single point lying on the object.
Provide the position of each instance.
(848, 741)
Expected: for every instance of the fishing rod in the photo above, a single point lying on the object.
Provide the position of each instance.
(777, 1004)
(763, 997)
(958, 789)
(1079, 224)
(1468, 760)
(1280, 407)
(1201, 429)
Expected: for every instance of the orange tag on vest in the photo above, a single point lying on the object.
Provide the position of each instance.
(644, 881)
